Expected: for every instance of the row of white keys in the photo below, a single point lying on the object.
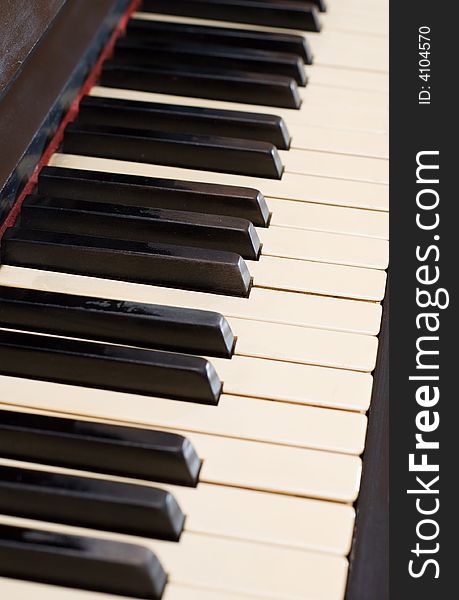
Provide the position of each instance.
(241, 568)
(340, 48)
(228, 461)
(301, 188)
(248, 514)
(264, 305)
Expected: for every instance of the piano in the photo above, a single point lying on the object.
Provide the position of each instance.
(193, 325)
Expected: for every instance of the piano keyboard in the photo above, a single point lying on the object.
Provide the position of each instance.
(189, 308)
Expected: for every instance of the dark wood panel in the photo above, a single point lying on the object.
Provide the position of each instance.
(31, 107)
(22, 25)
(369, 561)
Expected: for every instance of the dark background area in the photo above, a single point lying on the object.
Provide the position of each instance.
(415, 128)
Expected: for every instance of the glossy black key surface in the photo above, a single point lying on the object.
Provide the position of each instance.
(162, 31)
(106, 366)
(95, 110)
(113, 449)
(321, 5)
(141, 224)
(276, 13)
(151, 192)
(80, 562)
(166, 265)
(214, 84)
(88, 502)
(117, 321)
(180, 54)
(209, 153)
(131, 323)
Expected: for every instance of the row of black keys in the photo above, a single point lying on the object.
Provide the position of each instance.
(292, 14)
(62, 229)
(219, 63)
(197, 138)
(76, 561)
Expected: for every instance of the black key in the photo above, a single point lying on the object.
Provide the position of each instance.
(155, 264)
(321, 5)
(96, 110)
(227, 155)
(141, 224)
(80, 562)
(128, 323)
(176, 53)
(92, 503)
(230, 86)
(113, 449)
(277, 13)
(148, 372)
(162, 31)
(150, 192)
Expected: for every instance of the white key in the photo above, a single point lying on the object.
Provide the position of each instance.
(263, 305)
(344, 49)
(318, 246)
(311, 524)
(325, 164)
(227, 461)
(248, 514)
(341, 117)
(253, 569)
(14, 589)
(332, 219)
(302, 188)
(300, 345)
(354, 21)
(348, 78)
(250, 419)
(319, 278)
(339, 141)
(261, 379)
(315, 94)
